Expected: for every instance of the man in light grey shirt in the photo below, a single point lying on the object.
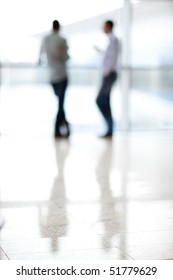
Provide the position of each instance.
(109, 69)
(56, 50)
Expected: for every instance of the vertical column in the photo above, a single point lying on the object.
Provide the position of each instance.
(125, 91)
(0, 98)
(125, 76)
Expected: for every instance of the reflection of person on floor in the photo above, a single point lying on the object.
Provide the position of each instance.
(110, 61)
(56, 222)
(107, 213)
(55, 48)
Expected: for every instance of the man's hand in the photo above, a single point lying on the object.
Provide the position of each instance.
(97, 49)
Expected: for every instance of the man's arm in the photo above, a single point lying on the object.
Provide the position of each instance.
(98, 49)
(42, 51)
(63, 49)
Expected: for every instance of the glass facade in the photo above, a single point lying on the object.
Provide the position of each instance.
(151, 61)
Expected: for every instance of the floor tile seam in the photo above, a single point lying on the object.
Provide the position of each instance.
(37, 226)
(4, 253)
(152, 244)
(144, 258)
(63, 251)
(145, 244)
(124, 233)
(44, 203)
(135, 232)
(142, 231)
(125, 253)
(92, 235)
(69, 251)
(36, 238)
(148, 243)
(117, 247)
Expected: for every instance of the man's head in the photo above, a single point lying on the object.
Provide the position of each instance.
(56, 26)
(108, 26)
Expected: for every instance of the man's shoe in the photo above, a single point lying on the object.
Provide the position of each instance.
(107, 135)
(65, 129)
(57, 135)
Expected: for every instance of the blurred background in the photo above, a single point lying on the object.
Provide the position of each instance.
(142, 99)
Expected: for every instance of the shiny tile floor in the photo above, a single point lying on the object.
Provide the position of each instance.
(87, 198)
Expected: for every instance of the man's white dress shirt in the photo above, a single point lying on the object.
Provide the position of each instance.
(110, 59)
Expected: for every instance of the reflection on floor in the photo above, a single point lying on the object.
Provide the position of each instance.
(87, 198)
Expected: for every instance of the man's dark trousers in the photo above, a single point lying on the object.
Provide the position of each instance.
(103, 99)
(60, 89)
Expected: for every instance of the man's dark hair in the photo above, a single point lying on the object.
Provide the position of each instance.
(110, 23)
(56, 25)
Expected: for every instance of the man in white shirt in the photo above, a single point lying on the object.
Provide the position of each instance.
(55, 48)
(110, 60)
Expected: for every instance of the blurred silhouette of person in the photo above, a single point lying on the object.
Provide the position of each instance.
(110, 61)
(56, 50)
(108, 213)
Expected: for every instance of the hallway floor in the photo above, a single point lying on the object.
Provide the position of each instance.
(87, 198)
